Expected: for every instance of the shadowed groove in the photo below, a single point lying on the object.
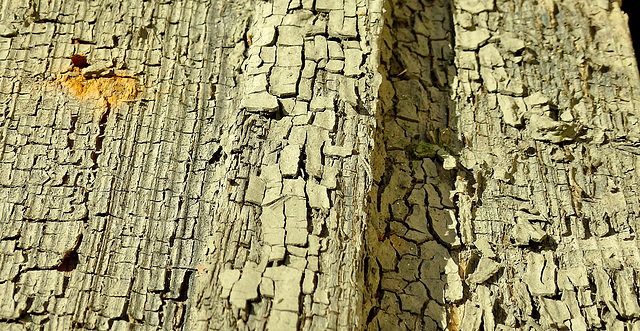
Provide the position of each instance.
(412, 226)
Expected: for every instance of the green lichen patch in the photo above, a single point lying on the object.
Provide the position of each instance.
(424, 149)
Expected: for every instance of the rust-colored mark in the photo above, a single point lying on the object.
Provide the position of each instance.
(249, 39)
(79, 60)
(106, 91)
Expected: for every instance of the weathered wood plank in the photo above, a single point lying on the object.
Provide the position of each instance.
(547, 113)
(296, 164)
(202, 170)
(513, 202)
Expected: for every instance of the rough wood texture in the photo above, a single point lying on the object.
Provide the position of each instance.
(317, 165)
(547, 97)
(513, 204)
(205, 168)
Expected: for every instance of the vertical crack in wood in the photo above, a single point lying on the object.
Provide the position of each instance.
(413, 229)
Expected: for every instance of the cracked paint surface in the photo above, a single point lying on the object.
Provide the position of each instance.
(325, 165)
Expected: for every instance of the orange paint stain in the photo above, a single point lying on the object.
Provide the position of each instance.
(105, 91)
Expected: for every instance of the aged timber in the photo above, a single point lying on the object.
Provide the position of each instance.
(318, 165)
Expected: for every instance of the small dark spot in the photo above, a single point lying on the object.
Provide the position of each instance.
(373, 311)
(29, 303)
(79, 60)
(142, 33)
(530, 150)
(276, 115)
(94, 158)
(184, 286)
(216, 156)
(65, 179)
(69, 262)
